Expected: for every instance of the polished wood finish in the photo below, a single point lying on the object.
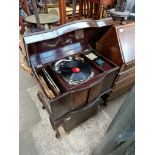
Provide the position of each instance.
(118, 44)
(76, 38)
(77, 117)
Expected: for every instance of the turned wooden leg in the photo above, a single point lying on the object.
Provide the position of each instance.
(104, 98)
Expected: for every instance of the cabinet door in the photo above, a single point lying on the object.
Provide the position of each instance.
(68, 102)
(77, 117)
(61, 106)
(126, 37)
(95, 91)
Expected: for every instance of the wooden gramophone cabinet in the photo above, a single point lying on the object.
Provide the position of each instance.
(73, 105)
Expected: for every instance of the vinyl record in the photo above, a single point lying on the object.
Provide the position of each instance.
(75, 71)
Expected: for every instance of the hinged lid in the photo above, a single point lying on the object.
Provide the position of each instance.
(126, 37)
(68, 39)
(118, 43)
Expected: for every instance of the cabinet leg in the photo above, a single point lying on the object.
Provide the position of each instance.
(43, 107)
(104, 98)
(105, 103)
(57, 135)
(123, 20)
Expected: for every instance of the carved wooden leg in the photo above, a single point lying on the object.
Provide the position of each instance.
(104, 98)
(55, 128)
(57, 135)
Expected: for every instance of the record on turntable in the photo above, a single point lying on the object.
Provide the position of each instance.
(76, 71)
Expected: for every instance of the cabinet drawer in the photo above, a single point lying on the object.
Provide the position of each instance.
(124, 82)
(117, 92)
(127, 66)
(125, 74)
(122, 88)
(77, 117)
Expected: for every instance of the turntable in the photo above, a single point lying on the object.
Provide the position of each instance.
(75, 72)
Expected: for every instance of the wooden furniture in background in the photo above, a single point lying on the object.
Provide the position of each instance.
(93, 8)
(25, 6)
(49, 5)
(105, 5)
(88, 9)
(62, 11)
(21, 24)
(45, 6)
(74, 9)
(118, 44)
(22, 54)
(36, 15)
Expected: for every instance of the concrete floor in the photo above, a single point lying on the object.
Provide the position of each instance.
(29, 116)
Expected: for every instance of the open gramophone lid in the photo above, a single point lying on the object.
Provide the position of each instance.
(75, 71)
(44, 18)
